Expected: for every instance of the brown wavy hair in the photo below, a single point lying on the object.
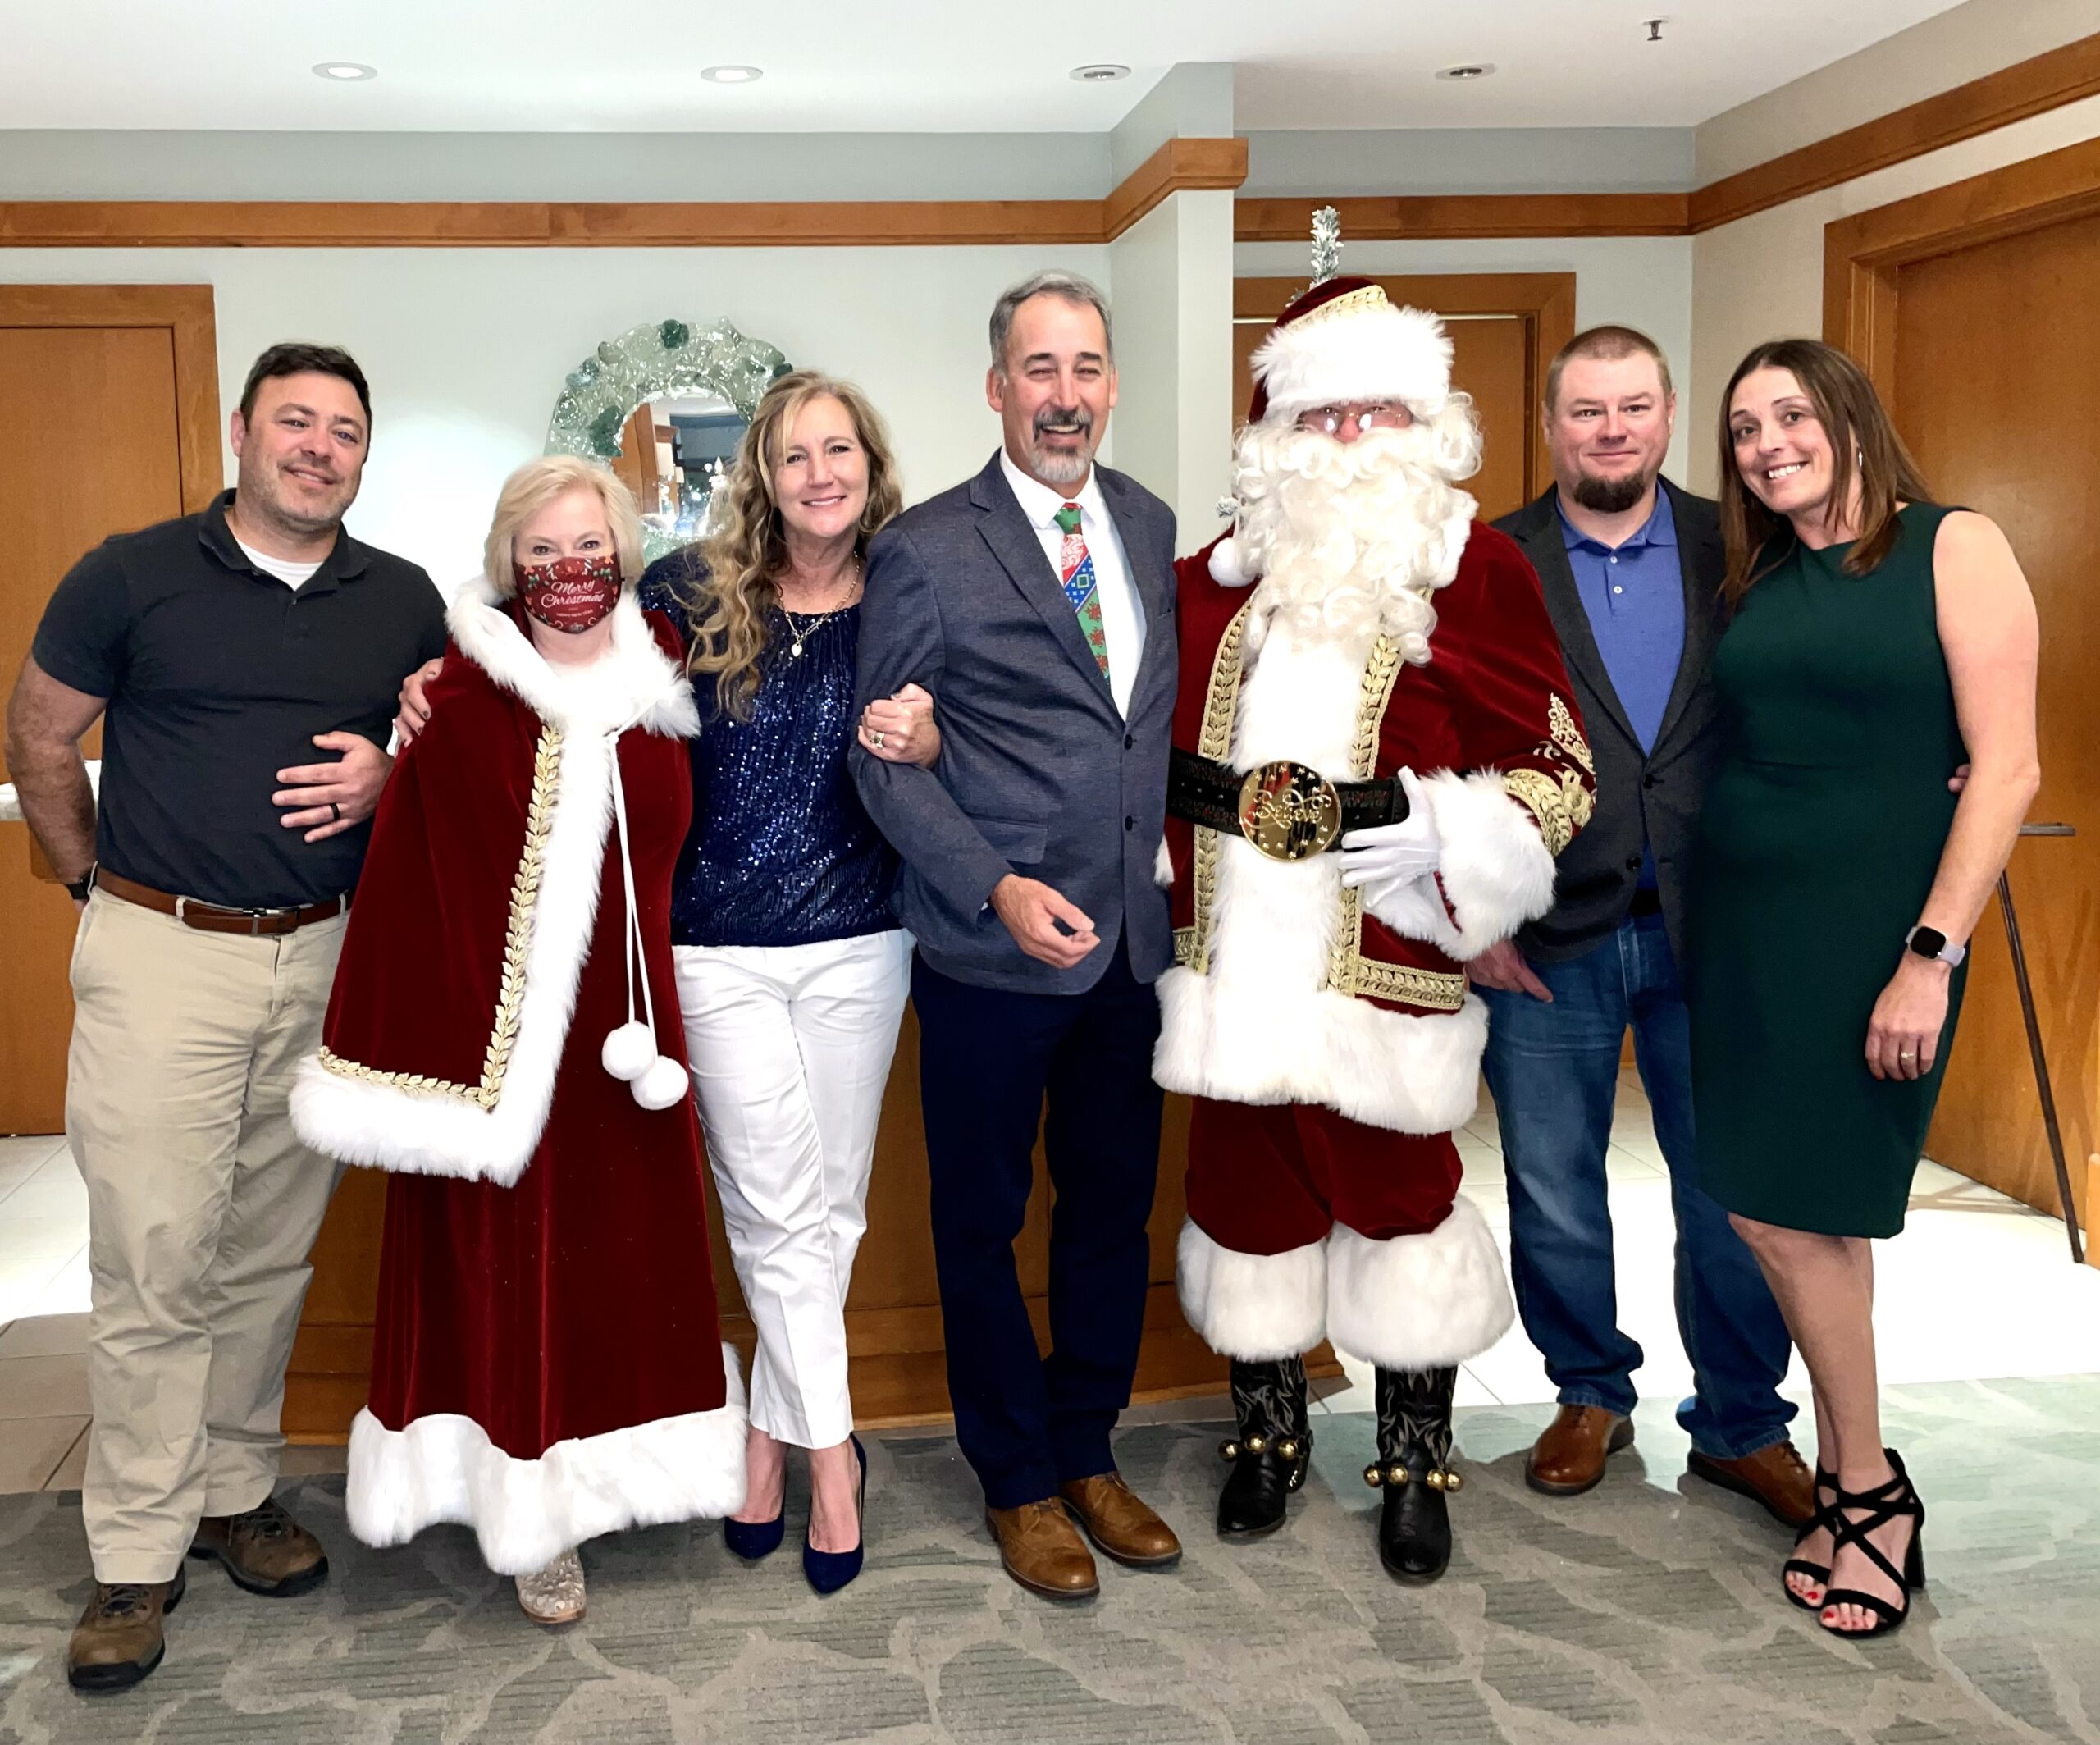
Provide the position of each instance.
(732, 579)
(1863, 445)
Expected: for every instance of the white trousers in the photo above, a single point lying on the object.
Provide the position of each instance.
(791, 1048)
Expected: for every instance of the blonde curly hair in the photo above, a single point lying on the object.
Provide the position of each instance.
(730, 581)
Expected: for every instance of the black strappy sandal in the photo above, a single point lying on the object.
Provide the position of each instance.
(1893, 1501)
(1825, 1517)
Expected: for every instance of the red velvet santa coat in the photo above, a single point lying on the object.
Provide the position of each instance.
(547, 1362)
(1287, 990)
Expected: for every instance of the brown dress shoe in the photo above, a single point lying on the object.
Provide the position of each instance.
(1120, 1521)
(118, 1640)
(1568, 1458)
(1776, 1477)
(264, 1550)
(1043, 1550)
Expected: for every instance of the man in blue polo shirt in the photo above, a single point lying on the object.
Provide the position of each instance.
(243, 662)
(1631, 567)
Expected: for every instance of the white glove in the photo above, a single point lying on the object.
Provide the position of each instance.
(1383, 861)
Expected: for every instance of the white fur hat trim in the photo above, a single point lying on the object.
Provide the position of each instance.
(1358, 347)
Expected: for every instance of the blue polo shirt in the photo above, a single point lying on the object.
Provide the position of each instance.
(1634, 595)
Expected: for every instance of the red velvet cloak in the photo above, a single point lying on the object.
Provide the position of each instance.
(547, 1363)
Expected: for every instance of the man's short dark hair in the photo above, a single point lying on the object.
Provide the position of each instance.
(1609, 343)
(296, 358)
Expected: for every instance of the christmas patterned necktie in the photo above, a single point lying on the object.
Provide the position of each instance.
(1076, 571)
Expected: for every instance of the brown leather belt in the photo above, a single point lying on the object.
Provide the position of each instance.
(210, 917)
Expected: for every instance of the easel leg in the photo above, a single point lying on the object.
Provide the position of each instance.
(2041, 1069)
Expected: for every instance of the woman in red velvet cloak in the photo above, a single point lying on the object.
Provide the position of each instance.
(547, 1362)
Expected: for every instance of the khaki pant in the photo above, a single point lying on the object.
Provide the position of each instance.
(202, 1206)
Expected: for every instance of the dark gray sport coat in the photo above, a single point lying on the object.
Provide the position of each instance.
(1659, 793)
(1038, 772)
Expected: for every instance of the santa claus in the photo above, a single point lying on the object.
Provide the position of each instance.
(1376, 761)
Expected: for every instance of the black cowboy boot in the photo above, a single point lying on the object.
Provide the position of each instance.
(1413, 1468)
(1268, 1457)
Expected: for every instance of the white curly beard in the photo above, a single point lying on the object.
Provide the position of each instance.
(1353, 538)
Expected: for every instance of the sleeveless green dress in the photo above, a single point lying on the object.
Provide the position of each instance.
(1818, 843)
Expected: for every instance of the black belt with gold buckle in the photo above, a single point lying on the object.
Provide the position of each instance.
(1287, 811)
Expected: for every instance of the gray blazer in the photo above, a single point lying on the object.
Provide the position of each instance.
(1038, 774)
(1660, 791)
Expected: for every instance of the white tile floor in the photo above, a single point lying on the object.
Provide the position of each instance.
(1978, 1287)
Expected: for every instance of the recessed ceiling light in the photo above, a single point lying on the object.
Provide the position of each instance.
(347, 72)
(1100, 73)
(1471, 69)
(732, 75)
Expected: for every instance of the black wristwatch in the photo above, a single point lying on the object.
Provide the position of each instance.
(1930, 942)
(78, 889)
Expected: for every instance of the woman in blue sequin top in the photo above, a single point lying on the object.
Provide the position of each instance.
(792, 973)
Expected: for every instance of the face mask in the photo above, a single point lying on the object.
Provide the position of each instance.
(572, 593)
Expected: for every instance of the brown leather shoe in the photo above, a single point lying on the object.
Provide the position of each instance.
(1118, 1520)
(118, 1640)
(1043, 1550)
(1776, 1477)
(1568, 1458)
(264, 1550)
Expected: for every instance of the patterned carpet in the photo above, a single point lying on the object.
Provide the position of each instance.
(1647, 1611)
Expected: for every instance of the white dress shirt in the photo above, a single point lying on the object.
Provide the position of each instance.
(1122, 614)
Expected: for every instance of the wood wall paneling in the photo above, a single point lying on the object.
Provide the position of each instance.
(2011, 259)
(68, 355)
(1435, 216)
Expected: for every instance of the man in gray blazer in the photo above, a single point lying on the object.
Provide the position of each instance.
(1631, 566)
(1036, 602)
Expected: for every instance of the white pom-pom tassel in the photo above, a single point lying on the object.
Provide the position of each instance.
(629, 1051)
(663, 1084)
(1225, 568)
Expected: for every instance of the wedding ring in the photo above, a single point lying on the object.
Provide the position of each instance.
(336, 810)
(879, 742)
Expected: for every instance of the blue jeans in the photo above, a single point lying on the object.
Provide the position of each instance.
(1553, 1070)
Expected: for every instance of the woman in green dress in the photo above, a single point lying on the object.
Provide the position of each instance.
(1877, 643)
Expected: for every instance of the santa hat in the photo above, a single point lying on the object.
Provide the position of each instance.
(1342, 340)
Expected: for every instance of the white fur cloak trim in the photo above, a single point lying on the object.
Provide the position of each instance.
(1262, 1026)
(1378, 352)
(1257, 1308)
(382, 1125)
(1495, 867)
(444, 1470)
(1422, 1302)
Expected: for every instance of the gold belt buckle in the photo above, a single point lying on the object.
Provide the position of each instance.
(1289, 810)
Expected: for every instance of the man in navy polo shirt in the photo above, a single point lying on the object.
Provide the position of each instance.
(1631, 567)
(243, 662)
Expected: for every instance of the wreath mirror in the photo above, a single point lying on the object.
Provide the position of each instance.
(664, 404)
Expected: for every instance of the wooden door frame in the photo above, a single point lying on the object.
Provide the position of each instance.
(187, 311)
(1544, 302)
(1864, 254)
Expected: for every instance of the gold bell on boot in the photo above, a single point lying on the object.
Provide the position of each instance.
(1395, 1475)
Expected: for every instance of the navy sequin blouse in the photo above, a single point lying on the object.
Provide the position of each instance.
(781, 853)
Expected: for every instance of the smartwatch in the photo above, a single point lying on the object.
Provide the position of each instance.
(1930, 942)
(78, 889)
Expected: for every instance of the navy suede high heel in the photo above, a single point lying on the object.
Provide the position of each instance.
(752, 1540)
(829, 1571)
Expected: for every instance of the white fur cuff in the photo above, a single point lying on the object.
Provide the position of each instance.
(1418, 1302)
(1257, 1308)
(1495, 867)
(527, 1513)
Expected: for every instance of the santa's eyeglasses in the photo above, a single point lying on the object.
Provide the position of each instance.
(1358, 415)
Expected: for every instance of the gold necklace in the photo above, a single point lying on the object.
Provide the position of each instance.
(799, 634)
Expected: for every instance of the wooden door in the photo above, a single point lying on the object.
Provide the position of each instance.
(1505, 329)
(2004, 425)
(108, 421)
